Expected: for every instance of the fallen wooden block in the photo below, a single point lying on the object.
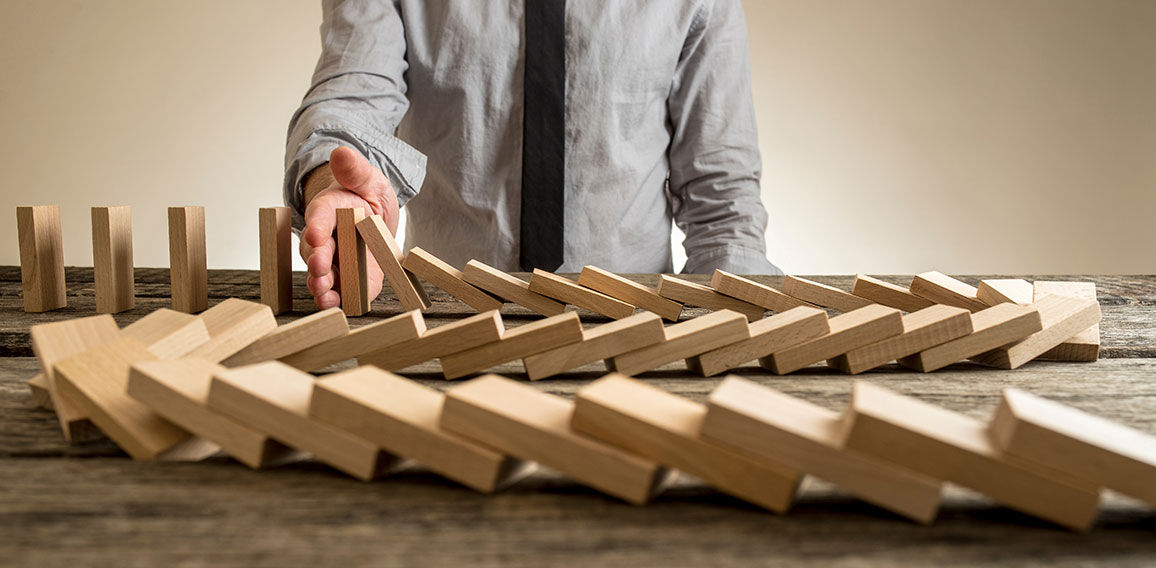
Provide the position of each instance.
(513, 289)
(388, 254)
(438, 342)
(664, 427)
(784, 431)
(57, 341)
(698, 295)
(629, 291)
(597, 344)
(41, 258)
(439, 273)
(822, 294)
(1060, 317)
(1084, 346)
(768, 335)
(169, 334)
(276, 258)
(849, 331)
(351, 262)
(188, 268)
(683, 341)
(1004, 290)
(402, 416)
(888, 294)
(522, 341)
(532, 425)
(373, 337)
(752, 292)
(922, 330)
(991, 328)
(233, 325)
(38, 387)
(112, 259)
(943, 289)
(566, 291)
(953, 447)
(292, 337)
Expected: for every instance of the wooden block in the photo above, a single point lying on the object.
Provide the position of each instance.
(849, 331)
(351, 262)
(1061, 318)
(516, 343)
(922, 330)
(532, 425)
(169, 334)
(599, 343)
(788, 432)
(698, 295)
(954, 447)
(684, 340)
(233, 324)
(276, 258)
(568, 292)
(1004, 290)
(389, 256)
(888, 294)
(179, 392)
(41, 257)
(1091, 448)
(1084, 346)
(823, 295)
(439, 273)
(373, 337)
(402, 416)
(112, 259)
(292, 337)
(629, 291)
(991, 328)
(188, 268)
(273, 398)
(664, 427)
(513, 289)
(41, 395)
(440, 341)
(753, 293)
(768, 335)
(943, 289)
(57, 341)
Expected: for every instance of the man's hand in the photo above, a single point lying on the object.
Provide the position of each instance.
(348, 180)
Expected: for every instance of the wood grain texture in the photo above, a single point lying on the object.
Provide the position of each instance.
(276, 263)
(386, 251)
(366, 339)
(233, 325)
(752, 292)
(440, 341)
(57, 341)
(112, 259)
(517, 343)
(684, 340)
(768, 335)
(943, 289)
(848, 331)
(38, 388)
(41, 257)
(1084, 346)
(292, 337)
(991, 328)
(992, 291)
(566, 291)
(351, 262)
(513, 289)
(1060, 317)
(694, 294)
(188, 268)
(888, 294)
(823, 295)
(629, 291)
(922, 330)
(439, 273)
(602, 342)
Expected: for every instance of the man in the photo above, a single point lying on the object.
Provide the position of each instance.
(548, 134)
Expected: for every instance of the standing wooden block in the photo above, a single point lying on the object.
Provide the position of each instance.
(440, 341)
(519, 342)
(888, 294)
(1060, 317)
(389, 256)
(276, 258)
(768, 335)
(664, 427)
(943, 289)
(351, 262)
(532, 425)
(188, 268)
(849, 331)
(292, 337)
(600, 343)
(566, 291)
(41, 395)
(112, 259)
(684, 340)
(233, 324)
(753, 293)
(274, 398)
(922, 330)
(373, 337)
(1004, 290)
(41, 257)
(990, 328)
(513, 289)
(439, 273)
(823, 295)
(629, 291)
(784, 431)
(1091, 448)
(57, 341)
(698, 295)
(402, 416)
(1084, 346)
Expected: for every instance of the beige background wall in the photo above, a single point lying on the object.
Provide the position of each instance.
(897, 135)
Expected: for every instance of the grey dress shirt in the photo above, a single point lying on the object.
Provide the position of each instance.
(660, 126)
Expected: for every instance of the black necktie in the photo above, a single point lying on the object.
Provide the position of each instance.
(543, 135)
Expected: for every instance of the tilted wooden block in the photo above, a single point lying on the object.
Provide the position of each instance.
(599, 343)
(888, 294)
(566, 291)
(823, 295)
(953, 447)
(532, 425)
(1084, 346)
(41, 257)
(629, 291)
(169, 334)
(1060, 317)
(990, 328)
(112, 259)
(684, 340)
(849, 331)
(275, 230)
(698, 295)
(438, 342)
(57, 341)
(373, 337)
(922, 330)
(188, 268)
(513, 289)
(664, 427)
(439, 273)
(274, 398)
(943, 289)
(752, 292)
(1091, 448)
(233, 325)
(41, 395)
(402, 417)
(292, 337)
(522, 341)
(388, 254)
(768, 335)
(1004, 290)
(788, 432)
(351, 261)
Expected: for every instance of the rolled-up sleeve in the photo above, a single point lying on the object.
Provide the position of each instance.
(356, 99)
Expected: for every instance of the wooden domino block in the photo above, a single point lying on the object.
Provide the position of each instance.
(1004, 290)
(440, 341)
(233, 324)
(188, 268)
(402, 416)
(273, 398)
(684, 340)
(1084, 346)
(41, 257)
(629, 291)
(276, 258)
(519, 342)
(991, 328)
(753, 293)
(822, 294)
(292, 337)
(351, 262)
(439, 273)
(373, 337)
(38, 387)
(112, 259)
(535, 426)
(567, 292)
(784, 431)
(513, 289)
(169, 334)
(922, 330)
(943, 289)
(768, 335)
(849, 331)
(1091, 448)
(57, 341)
(702, 296)
(888, 294)
(664, 427)
(1060, 317)
(598, 344)
(386, 251)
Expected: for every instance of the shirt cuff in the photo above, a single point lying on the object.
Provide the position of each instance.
(735, 259)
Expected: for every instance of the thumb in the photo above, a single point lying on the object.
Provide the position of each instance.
(352, 170)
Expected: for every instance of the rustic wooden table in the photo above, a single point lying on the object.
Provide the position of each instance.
(90, 505)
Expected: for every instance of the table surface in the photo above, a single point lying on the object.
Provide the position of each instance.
(91, 505)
